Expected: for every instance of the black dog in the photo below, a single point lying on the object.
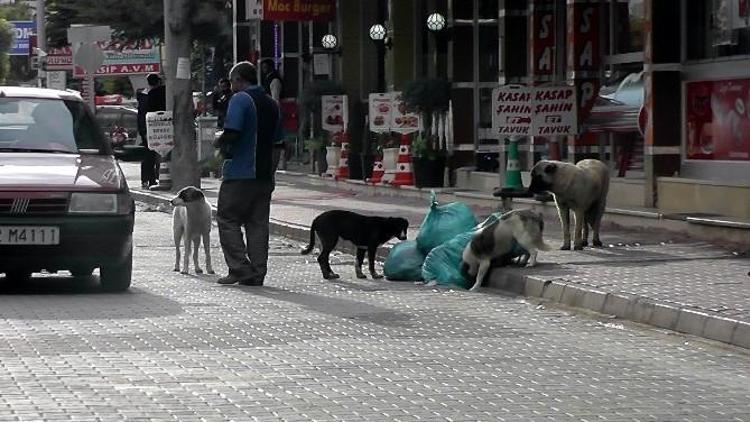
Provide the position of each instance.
(367, 233)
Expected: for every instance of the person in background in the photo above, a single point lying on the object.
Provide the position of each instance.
(271, 80)
(154, 98)
(221, 99)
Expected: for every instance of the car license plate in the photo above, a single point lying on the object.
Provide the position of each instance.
(29, 235)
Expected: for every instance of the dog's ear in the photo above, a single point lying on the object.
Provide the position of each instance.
(550, 169)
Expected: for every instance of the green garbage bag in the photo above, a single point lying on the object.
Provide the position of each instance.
(443, 264)
(404, 262)
(443, 223)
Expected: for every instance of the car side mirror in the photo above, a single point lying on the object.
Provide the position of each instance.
(131, 153)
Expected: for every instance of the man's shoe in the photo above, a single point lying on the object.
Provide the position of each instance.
(230, 279)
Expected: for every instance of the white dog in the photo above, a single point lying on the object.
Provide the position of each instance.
(191, 219)
(516, 234)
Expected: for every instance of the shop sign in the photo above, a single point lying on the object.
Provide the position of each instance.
(299, 10)
(22, 32)
(718, 120)
(402, 120)
(130, 58)
(380, 105)
(544, 43)
(534, 111)
(334, 112)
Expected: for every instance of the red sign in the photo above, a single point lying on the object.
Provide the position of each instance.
(543, 33)
(584, 58)
(299, 10)
(718, 120)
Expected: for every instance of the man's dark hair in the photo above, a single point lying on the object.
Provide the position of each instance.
(245, 71)
(153, 79)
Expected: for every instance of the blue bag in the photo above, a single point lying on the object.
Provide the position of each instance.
(443, 223)
(404, 262)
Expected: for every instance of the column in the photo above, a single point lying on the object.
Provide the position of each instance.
(662, 119)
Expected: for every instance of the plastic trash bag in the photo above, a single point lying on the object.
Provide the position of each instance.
(443, 223)
(443, 264)
(404, 262)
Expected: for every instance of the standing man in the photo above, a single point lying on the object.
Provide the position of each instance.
(252, 128)
(153, 99)
(271, 80)
(221, 100)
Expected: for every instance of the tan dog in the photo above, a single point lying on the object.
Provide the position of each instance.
(582, 187)
(516, 233)
(191, 222)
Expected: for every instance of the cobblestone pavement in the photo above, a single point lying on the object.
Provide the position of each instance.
(183, 348)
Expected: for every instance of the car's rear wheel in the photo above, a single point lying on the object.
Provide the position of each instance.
(18, 276)
(116, 277)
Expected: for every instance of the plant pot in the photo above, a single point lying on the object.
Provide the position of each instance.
(319, 162)
(390, 159)
(355, 167)
(333, 154)
(429, 173)
(360, 166)
(368, 161)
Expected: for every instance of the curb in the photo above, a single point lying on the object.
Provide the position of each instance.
(625, 306)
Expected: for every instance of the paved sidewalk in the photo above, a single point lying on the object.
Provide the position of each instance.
(656, 278)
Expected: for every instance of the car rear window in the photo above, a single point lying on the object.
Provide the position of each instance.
(36, 124)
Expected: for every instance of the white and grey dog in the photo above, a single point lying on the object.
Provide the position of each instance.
(582, 188)
(516, 233)
(191, 222)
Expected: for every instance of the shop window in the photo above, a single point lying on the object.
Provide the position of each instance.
(463, 9)
(488, 9)
(628, 23)
(488, 53)
(718, 28)
(291, 37)
(463, 54)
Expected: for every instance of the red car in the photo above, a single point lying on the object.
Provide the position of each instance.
(64, 201)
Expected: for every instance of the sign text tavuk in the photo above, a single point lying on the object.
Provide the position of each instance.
(299, 10)
(534, 111)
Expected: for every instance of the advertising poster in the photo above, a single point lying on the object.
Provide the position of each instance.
(512, 108)
(402, 121)
(160, 131)
(718, 120)
(380, 112)
(535, 111)
(334, 109)
(554, 111)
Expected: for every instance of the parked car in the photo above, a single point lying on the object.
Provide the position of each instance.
(114, 118)
(64, 200)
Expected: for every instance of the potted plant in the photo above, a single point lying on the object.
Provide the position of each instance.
(388, 146)
(333, 152)
(427, 97)
(428, 160)
(310, 111)
(316, 148)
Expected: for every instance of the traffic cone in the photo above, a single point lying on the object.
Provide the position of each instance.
(342, 172)
(513, 170)
(553, 147)
(377, 171)
(404, 175)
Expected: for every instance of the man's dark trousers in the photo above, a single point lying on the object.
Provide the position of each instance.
(245, 204)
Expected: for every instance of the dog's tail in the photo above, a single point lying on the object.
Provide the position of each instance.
(311, 246)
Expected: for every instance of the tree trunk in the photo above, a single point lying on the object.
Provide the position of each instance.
(184, 160)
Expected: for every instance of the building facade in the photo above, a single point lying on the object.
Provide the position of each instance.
(663, 87)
